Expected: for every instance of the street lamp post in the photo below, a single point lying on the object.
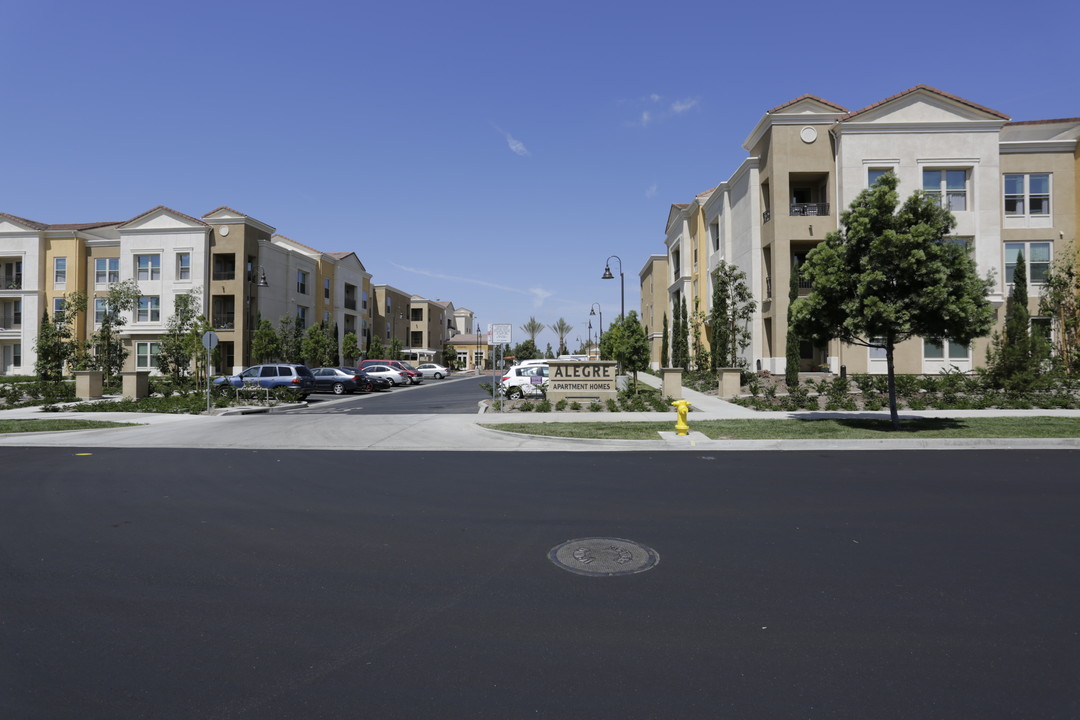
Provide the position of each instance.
(622, 283)
(592, 311)
(589, 351)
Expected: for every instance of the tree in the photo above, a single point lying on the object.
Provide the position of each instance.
(1015, 355)
(394, 350)
(318, 348)
(449, 353)
(678, 337)
(683, 334)
(350, 348)
(290, 338)
(265, 343)
(181, 343)
(889, 275)
(54, 345)
(732, 310)
(664, 346)
(791, 368)
(109, 351)
(533, 328)
(562, 329)
(627, 343)
(701, 356)
(525, 351)
(549, 353)
(1060, 301)
(375, 349)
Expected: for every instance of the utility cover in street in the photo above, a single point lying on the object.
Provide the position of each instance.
(603, 556)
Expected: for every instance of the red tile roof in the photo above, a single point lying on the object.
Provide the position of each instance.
(926, 88)
(815, 98)
(61, 226)
(226, 207)
(24, 221)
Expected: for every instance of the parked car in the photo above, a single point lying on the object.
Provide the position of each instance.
(434, 370)
(339, 380)
(520, 380)
(393, 375)
(271, 376)
(400, 365)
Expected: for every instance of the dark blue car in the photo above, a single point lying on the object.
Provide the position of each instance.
(273, 375)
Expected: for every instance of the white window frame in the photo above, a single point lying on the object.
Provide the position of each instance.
(302, 282)
(944, 193)
(146, 354)
(183, 266)
(1026, 248)
(58, 308)
(106, 271)
(151, 270)
(99, 310)
(59, 273)
(1025, 195)
(149, 309)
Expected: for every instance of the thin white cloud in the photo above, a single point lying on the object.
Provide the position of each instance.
(539, 295)
(516, 146)
(650, 192)
(655, 98)
(680, 106)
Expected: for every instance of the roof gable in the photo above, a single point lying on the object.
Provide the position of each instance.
(13, 223)
(805, 104)
(163, 218)
(924, 104)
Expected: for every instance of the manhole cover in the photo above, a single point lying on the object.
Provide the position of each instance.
(603, 556)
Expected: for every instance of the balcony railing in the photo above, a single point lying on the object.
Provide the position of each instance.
(223, 321)
(224, 274)
(350, 304)
(809, 209)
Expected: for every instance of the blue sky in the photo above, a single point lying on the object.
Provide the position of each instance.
(489, 153)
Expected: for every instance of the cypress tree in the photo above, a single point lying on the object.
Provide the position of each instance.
(664, 345)
(791, 371)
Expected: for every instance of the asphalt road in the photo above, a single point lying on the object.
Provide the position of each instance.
(459, 394)
(255, 584)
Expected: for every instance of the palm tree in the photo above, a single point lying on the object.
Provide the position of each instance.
(533, 328)
(562, 329)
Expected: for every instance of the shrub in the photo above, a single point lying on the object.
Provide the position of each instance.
(612, 406)
(594, 406)
(561, 405)
(543, 406)
(526, 406)
(574, 405)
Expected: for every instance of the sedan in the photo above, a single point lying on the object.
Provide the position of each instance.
(340, 380)
(433, 370)
(396, 377)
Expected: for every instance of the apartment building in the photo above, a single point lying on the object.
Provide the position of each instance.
(239, 268)
(807, 161)
(653, 278)
(431, 325)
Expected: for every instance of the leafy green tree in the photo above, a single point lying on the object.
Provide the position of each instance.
(791, 370)
(265, 343)
(678, 337)
(108, 346)
(889, 275)
(376, 350)
(684, 336)
(562, 329)
(449, 354)
(318, 348)
(291, 338)
(626, 342)
(1060, 301)
(701, 357)
(350, 348)
(395, 349)
(664, 348)
(1015, 355)
(732, 310)
(54, 345)
(181, 342)
(548, 353)
(525, 350)
(533, 328)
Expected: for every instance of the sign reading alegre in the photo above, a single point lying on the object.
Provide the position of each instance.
(583, 381)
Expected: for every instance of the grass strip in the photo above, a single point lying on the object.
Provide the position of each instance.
(824, 429)
(56, 425)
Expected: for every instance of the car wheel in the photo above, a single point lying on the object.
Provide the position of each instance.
(514, 393)
(438, 376)
(368, 387)
(339, 389)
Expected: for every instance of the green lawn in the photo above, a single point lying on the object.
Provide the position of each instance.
(55, 425)
(830, 429)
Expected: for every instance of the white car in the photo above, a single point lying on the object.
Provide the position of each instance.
(433, 370)
(396, 377)
(522, 380)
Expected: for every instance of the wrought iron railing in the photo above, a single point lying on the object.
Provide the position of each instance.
(809, 209)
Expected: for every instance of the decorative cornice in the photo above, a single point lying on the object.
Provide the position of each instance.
(1011, 147)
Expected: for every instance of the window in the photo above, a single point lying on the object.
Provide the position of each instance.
(949, 187)
(59, 272)
(301, 315)
(12, 275)
(99, 310)
(183, 266)
(326, 317)
(58, 309)
(146, 354)
(874, 174)
(364, 301)
(11, 314)
(952, 350)
(326, 289)
(224, 266)
(16, 354)
(223, 312)
(106, 271)
(1042, 327)
(1027, 194)
(416, 338)
(417, 314)
(147, 267)
(301, 282)
(1036, 257)
(149, 309)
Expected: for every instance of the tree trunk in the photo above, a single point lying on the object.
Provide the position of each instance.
(892, 384)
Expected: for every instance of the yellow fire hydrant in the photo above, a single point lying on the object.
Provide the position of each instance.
(682, 407)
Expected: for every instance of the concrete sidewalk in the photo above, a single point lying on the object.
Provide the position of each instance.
(440, 432)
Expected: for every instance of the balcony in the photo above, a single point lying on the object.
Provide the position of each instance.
(350, 304)
(809, 209)
(223, 320)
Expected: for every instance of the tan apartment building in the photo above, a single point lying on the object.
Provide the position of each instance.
(653, 278)
(431, 325)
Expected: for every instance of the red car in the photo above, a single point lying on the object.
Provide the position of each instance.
(414, 375)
